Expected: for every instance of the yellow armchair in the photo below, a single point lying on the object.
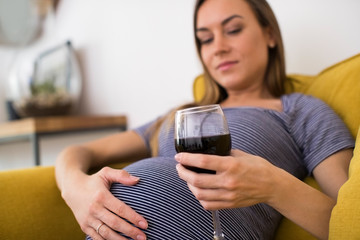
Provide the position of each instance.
(31, 206)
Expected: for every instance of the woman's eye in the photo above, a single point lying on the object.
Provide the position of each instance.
(205, 41)
(234, 31)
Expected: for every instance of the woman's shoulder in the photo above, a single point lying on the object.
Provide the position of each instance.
(301, 108)
(296, 102)
(296, 97)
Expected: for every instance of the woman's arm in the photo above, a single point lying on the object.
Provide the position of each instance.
(332, 173)
(244, 180)
(88, 195)
(308, 207)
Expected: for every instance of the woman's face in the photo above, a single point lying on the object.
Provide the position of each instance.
(234, 47)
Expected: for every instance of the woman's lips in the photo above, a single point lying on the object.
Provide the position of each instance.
(226, 65)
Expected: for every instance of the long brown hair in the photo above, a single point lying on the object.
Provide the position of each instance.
(275, 76)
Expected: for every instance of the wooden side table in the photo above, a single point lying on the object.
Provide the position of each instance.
(31, 129)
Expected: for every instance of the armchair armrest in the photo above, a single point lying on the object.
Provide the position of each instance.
(32, 208)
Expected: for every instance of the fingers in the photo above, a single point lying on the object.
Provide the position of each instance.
(205, 161)
(111, 175)
(209, 194)
(102, 231)
(121, 209)
(223, 190)
(93, 234)
(198, 180)
(113, 214)
(115, 205)
(216, 205)
(106, 232)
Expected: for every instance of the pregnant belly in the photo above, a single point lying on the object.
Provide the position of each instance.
(165, 201)
(174, 213)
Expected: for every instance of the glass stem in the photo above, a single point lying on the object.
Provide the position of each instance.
(218, 235)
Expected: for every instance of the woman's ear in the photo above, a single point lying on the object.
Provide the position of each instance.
(271, 40)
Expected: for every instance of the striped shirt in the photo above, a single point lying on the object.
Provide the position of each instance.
(296, 139)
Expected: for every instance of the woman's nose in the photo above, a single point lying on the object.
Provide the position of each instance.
(221, 45)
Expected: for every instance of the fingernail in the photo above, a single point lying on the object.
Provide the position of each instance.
(140, 237)
(178, 156)
(143, 225)
(134, 178)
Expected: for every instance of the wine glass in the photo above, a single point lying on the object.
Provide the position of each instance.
(203, 129)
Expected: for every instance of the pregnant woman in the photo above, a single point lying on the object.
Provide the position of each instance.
(277, 140)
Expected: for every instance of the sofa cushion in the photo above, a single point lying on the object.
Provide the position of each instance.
(345, 217)
(339, 86)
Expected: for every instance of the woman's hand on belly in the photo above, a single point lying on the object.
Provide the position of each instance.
(241, 179)
(93, 205)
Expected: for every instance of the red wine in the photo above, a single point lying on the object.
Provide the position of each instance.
(215, 145)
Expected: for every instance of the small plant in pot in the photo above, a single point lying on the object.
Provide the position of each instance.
(46, 99)
(54, 85)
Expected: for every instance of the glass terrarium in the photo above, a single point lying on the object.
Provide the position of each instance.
(45, 84)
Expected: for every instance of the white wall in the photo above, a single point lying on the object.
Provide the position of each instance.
(139, 56)
(318, 33)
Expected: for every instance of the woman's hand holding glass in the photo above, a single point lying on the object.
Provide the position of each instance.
(241, 179)
(203, 129)
(102, 214)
